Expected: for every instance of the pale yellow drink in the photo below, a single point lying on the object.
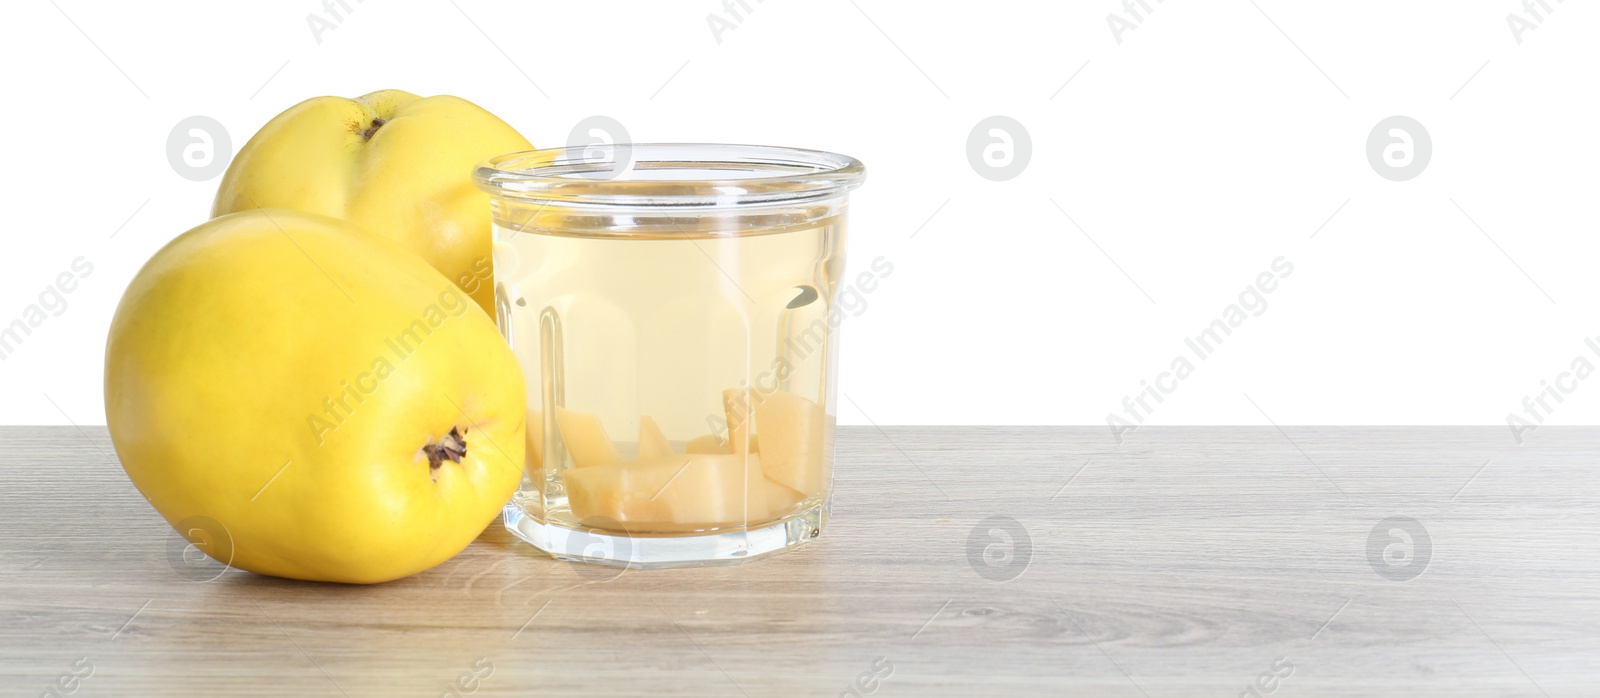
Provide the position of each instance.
(629, 331)
(675, 312)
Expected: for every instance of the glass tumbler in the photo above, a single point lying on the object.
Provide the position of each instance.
(674, 310)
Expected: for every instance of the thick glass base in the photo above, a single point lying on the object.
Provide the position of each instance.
(728, 546)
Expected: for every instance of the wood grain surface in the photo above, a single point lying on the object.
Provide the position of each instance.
(1184, 562)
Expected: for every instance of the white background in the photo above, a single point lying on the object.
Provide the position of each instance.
(1204, 145)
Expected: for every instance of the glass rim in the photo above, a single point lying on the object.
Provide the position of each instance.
(669, 176)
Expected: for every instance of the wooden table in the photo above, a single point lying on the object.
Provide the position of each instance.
(1186, 561)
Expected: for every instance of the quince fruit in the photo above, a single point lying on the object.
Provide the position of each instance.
(392, 163)
(334, 404)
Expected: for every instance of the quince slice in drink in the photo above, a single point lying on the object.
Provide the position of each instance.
(706, 443)
(780, 499)
(791, 445)
(689, 491)
(711, 443)
(586, 439)
(653, 443)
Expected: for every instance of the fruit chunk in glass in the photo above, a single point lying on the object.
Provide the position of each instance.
(710, 481)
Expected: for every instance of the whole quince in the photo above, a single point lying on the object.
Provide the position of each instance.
(392, 163)
(334, 405)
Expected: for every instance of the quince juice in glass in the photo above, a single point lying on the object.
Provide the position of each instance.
(678, 335)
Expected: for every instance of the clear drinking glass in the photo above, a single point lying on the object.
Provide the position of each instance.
(673, 307)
